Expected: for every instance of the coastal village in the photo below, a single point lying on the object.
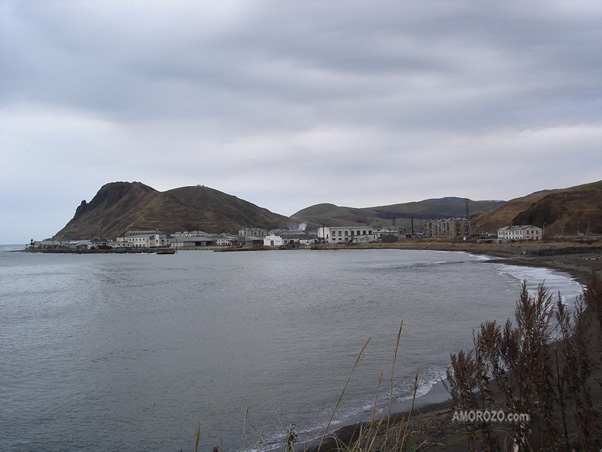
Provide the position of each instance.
(133, 217)
(260, 238)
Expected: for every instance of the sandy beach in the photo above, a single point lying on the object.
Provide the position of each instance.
(430, 425)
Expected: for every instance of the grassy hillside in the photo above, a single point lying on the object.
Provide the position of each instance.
(563, 211)
(122, 206)
(380, 216)
(223, 212)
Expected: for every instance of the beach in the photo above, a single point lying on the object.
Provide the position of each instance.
(432, 425)
(135, 285)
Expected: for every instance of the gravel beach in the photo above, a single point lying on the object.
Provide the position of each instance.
(432, 426)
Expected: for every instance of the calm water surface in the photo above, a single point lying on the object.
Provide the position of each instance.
(130, 352)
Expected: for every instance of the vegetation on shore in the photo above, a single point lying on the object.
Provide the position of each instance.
(543, 368)
(541, 374)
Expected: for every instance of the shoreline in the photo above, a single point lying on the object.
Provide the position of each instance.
(577, 261)
(431, 417)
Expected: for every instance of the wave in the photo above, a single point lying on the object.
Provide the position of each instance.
(557, 282)
(427, 379)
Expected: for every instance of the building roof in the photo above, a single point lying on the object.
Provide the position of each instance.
(517, 228)
(143, 232)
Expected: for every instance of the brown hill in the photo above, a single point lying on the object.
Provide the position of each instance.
(122, 206)
(381, 216)
(566, 211)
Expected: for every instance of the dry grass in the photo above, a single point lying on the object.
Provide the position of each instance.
(517, 367)
(542, 365)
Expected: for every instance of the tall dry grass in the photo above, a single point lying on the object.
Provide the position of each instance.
(542, 366)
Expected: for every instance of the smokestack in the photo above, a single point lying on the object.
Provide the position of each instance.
(412, 226)
(466, 201)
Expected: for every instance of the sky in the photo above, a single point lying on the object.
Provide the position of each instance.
(287, 104)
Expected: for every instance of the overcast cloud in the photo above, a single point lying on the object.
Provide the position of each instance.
(287, 104)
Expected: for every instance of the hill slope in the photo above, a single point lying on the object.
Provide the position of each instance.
(563, 211)
(122, 206)
(383, 215)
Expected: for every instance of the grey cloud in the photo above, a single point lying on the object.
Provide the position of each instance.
(353, 63)
(409, 99)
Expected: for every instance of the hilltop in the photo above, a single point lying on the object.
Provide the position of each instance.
(566, 211)
(448, 207)
(122, 206)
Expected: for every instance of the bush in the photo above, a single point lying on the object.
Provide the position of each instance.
(519, 367)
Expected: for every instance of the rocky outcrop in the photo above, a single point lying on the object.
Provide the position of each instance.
(122, 206)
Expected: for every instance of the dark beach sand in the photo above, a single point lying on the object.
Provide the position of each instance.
(431, 425)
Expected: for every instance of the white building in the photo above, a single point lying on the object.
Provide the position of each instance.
(354, 234)
(192, 239)
(253, 232)
(290, 238)
(515, 233)
(225, 240)
(143, 239)
(279, 240)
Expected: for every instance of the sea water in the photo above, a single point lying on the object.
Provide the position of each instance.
(134, 352)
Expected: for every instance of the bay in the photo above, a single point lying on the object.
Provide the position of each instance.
(131, 352)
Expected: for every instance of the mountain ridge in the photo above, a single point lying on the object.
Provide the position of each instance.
(121, 206)
(380, 216)
(562, 211)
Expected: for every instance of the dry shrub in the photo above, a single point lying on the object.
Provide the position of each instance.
(540, 366)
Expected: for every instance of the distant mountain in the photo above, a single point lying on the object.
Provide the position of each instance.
(122, 206)
(448, 207)
(562, 211)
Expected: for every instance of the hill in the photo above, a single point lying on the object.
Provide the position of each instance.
(566, 211)
(122, 206)
(448, 207)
